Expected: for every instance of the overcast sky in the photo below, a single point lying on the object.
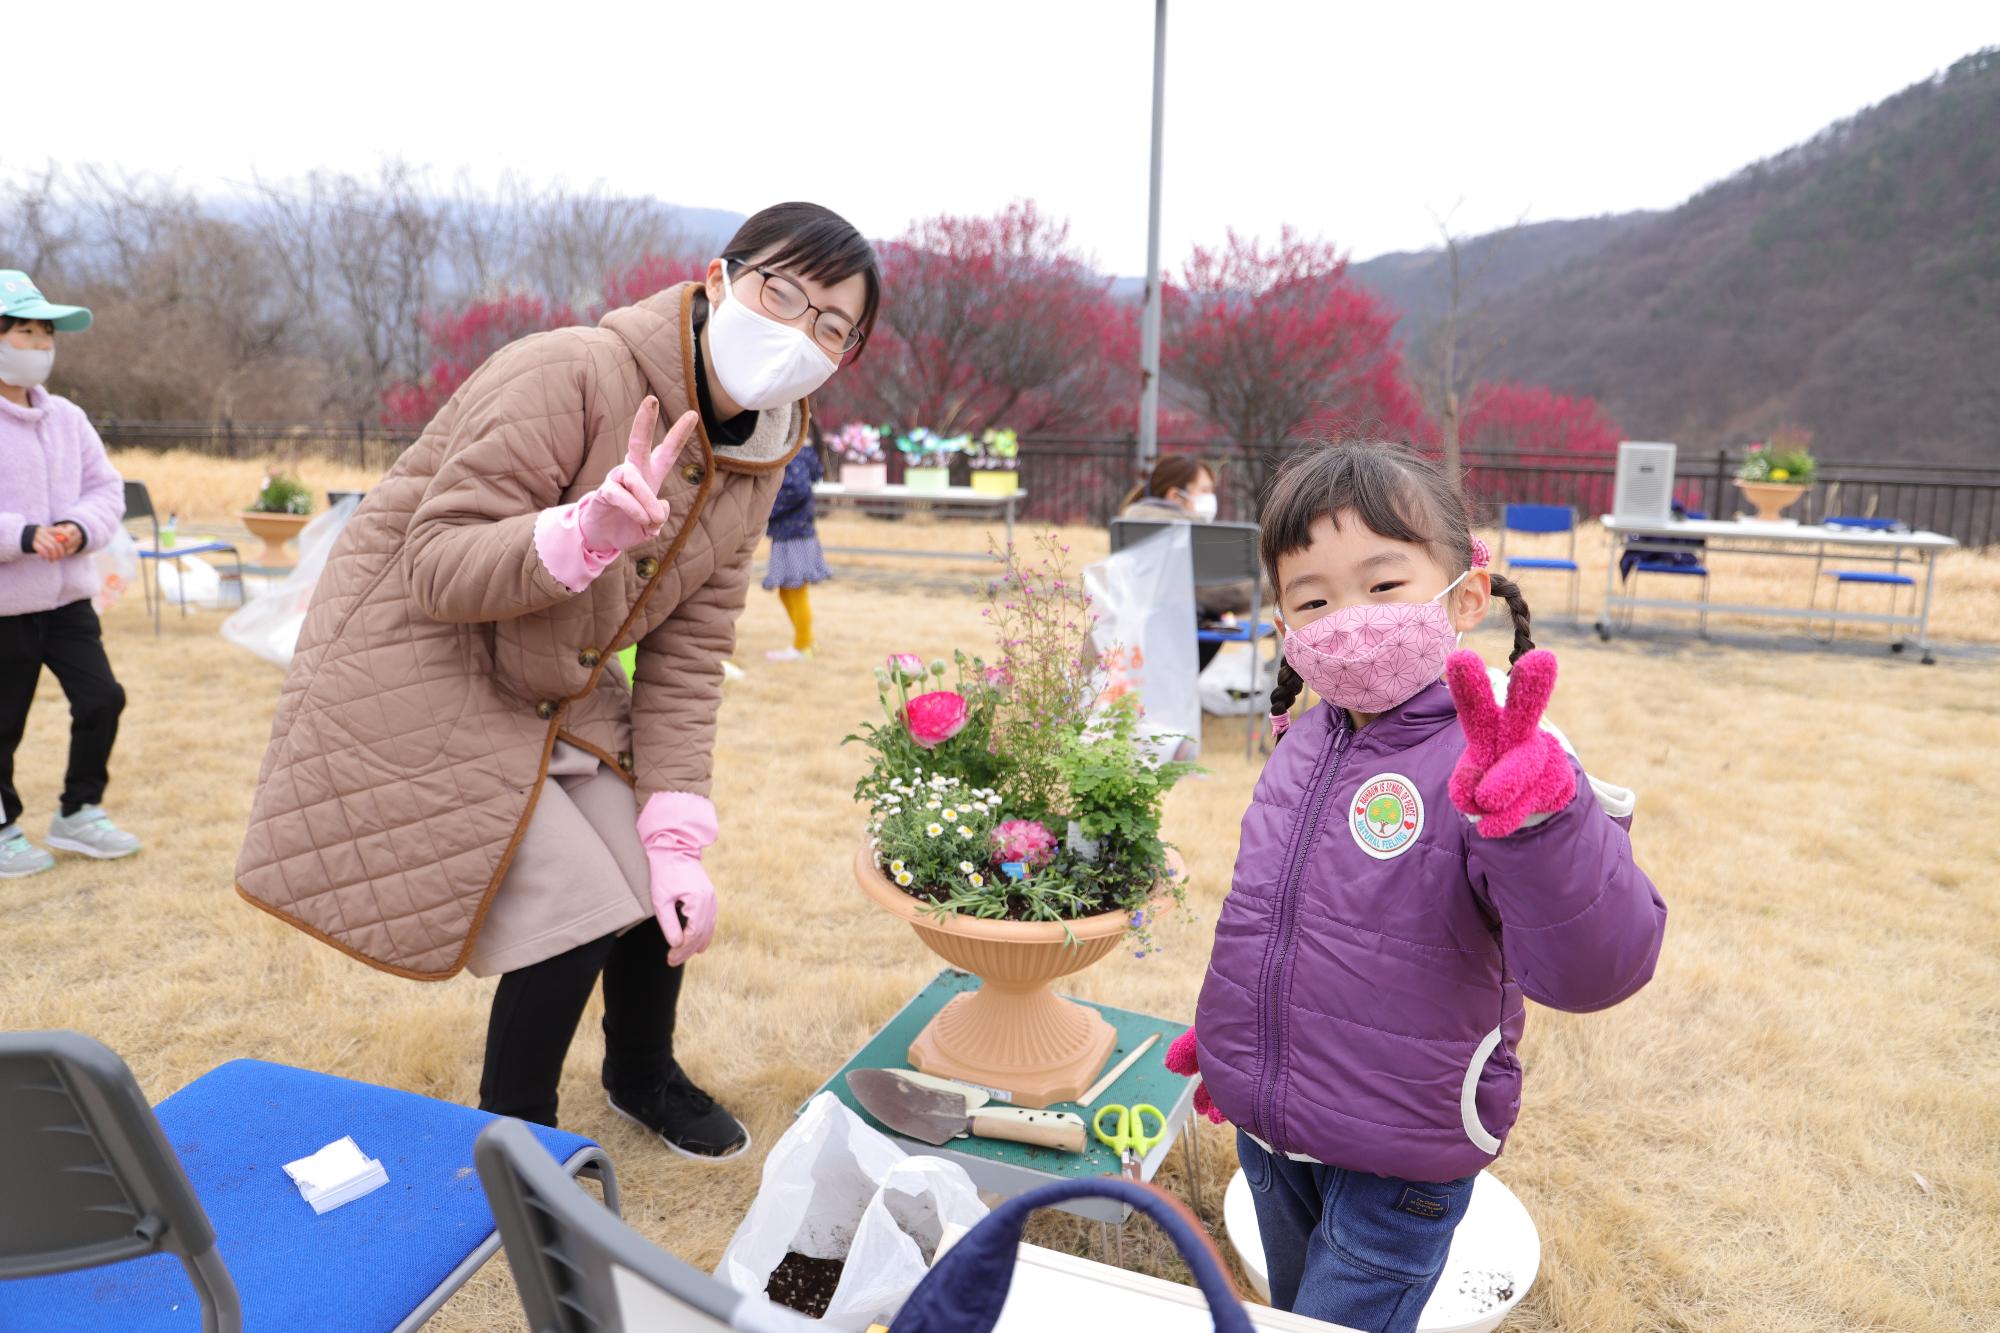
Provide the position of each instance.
(1351, 122)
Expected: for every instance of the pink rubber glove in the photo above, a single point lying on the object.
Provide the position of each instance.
(1511, 769)
(673, 827)
(1182, 1060)
(626, 510)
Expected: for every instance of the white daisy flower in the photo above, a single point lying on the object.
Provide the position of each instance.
(935, 830)
(950, 816)
(978, 880)
(965, 831)
(933, 804)
(965, 867)
(895, 867)
(904, 880)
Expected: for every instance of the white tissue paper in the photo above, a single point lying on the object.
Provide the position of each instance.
(336, 1174)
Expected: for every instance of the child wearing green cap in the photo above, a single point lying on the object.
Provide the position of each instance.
(59, 497)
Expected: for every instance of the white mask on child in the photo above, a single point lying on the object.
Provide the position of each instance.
(1204, 508)
(26, 367)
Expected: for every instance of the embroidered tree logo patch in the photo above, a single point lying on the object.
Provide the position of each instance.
(1386, 816)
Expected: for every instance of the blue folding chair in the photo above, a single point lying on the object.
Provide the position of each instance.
(1543, 519)
(139, 505)
(119, 1216)
(1650, 558)
(1893, 579)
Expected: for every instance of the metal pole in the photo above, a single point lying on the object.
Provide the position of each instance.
(1149, 327)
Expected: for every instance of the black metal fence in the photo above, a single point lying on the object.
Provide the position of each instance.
(1084, 480)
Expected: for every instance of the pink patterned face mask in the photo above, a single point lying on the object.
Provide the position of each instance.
(1371, 658)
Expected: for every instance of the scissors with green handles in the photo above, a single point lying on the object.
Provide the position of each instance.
(1128, 1135)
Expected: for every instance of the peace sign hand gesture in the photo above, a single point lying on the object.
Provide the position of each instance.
(626, 510)
(1511, 769)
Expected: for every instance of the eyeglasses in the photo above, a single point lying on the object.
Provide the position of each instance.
(786, 300)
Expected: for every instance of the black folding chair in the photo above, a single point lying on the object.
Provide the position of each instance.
(581, 1270)
(139, 506)
(1224, 554)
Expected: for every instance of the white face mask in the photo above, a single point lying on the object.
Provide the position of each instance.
(1204, 507)
(762, 363)
(25, 368)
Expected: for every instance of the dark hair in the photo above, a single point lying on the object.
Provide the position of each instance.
(8, 323)
(816, 242)
(1397, 493)
(1172, 472)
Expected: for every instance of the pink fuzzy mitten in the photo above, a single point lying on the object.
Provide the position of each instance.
(1181, 1059)
(1511, 769)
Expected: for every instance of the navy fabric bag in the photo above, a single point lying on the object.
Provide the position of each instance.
(965, 1290)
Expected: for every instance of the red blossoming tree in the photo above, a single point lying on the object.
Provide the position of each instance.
(990, 322)
(1519, 418)
(1266, 342)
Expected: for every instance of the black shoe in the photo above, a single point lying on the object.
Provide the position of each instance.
(687, 1119)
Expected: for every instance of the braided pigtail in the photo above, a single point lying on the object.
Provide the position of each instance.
(1283, 696)
(1509, 592)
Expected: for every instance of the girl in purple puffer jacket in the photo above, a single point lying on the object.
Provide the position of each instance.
(60, 500)
(1417, 858)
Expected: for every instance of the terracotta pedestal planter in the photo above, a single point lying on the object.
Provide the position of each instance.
(1013, 1034)
(1770, 497)
(274, 530)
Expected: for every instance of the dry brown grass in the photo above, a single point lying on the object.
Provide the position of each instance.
(1733, 1149)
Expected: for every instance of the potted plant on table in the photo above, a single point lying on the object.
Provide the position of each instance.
(863, 466)
(1014, 824)
(996, 463)
(283, 506)
(927, 458)
(1776, 473)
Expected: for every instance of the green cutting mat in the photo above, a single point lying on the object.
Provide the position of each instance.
(1147, 1081)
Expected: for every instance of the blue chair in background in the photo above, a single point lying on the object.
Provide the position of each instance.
(1542, 519)
(119, 1216)
(1893, 578)
(139, 505)
(1665, 555)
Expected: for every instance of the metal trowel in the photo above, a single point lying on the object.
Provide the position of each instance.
(934, 1116)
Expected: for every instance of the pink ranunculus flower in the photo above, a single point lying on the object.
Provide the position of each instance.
(908, 664)
(936, 717)
(1024, 840)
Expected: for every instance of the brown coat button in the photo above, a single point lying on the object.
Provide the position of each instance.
(589, 657)
(545, 710)
(648, 567)
(625, 760)
(692, 474)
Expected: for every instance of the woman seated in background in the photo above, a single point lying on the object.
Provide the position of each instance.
(1182, 490)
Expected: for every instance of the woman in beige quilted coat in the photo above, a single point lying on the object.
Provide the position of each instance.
(458, 775)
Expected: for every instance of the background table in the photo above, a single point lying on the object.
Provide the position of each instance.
(1000, 1167)
(1751, 537)
(905, 499)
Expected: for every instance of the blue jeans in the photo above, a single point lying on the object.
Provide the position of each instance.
(1349, 1247)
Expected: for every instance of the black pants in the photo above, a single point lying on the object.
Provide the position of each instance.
(69, 641)
(535, 1014)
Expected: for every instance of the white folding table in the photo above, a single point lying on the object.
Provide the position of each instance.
(1791, 541)
(907, 500)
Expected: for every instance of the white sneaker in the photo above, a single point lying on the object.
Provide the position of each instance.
(788, 655)
(20, 858)
(90, 832)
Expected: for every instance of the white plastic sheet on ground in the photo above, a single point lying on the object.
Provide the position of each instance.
(268, 625)
(834, 1188)
(1144, 637)
(1238, 681)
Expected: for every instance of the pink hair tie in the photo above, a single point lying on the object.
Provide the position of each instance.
(1482, 554)
(1280, 721)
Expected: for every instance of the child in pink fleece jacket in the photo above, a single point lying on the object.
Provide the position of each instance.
(59, 499)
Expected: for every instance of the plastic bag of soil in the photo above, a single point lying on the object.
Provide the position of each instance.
(835, 1189)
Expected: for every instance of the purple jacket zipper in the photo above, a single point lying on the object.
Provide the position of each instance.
(1273, 1047)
